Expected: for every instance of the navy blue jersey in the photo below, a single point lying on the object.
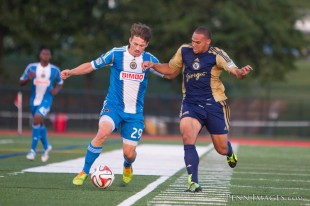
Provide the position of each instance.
(201, 73)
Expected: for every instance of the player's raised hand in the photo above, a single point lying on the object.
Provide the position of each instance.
(146, 65)
(65, 74)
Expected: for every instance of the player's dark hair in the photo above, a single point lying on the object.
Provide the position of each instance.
(205, 31)
(142, 31)
(44, 48)
(41, 48)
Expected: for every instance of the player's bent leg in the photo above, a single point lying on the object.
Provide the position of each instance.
(93, 151)
(47, 147)
(34, 141)
(220, 143)
(223, 147)
(129, 148)
(91, 155)
(190, 128)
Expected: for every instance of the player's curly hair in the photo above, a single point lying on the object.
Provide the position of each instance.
(142, 31)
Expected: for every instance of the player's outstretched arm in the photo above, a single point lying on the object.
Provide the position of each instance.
(80, 70)
(241, 73)
(161, 68)
(172, 76)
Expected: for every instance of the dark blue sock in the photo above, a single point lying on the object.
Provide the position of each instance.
(91, 155)
(229, 149)
(191, 159)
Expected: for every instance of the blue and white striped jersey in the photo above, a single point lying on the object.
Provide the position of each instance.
(128, 81)
(42, 82)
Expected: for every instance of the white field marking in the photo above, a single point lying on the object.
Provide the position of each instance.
(274, 173)
(276, 169)
(15, 173)
(6, 141)
(151, 157)
(270, 180)
(273, 188)
(150, 187)
(258, 166)
(201, 151)
(214, 177)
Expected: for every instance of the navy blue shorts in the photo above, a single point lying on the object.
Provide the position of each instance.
(214, 115)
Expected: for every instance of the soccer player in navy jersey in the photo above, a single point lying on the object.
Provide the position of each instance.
(203, 97)
(125, 99)
(43, 76)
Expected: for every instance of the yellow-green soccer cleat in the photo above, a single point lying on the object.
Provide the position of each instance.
(192, 186)
(232, 160)
(127, 174)
(80, 179)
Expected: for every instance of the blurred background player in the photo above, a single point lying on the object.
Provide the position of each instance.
(43, 77)
(125, 99)
(203, 97)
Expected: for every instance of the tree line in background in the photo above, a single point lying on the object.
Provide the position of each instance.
(260, 33)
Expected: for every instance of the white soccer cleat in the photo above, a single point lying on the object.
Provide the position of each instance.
(45, 156)
(31, 155)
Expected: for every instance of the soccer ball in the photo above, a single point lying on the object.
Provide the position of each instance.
(102, 177)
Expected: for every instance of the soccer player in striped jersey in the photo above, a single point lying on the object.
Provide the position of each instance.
(43, 76)
(203, 97)
(124, 102)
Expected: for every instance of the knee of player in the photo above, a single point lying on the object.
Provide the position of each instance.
(188, 139)
(38, 119)
(130, 155)
(100, 137)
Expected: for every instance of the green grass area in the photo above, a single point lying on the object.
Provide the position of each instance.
(261, 171)
(273, 174)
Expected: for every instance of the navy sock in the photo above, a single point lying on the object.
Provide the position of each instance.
(229, 149)
(191, 159)
(91, 155)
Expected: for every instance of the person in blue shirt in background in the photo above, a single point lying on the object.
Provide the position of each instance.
(125, 99)
(43, 76)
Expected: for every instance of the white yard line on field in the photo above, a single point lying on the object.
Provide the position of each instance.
(214, 177)
(152, 159)
(6, 141)
(153, 185)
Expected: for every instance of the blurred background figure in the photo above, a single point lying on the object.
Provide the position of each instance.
(42, 76)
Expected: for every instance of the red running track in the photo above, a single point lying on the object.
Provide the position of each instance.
(240, 141)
